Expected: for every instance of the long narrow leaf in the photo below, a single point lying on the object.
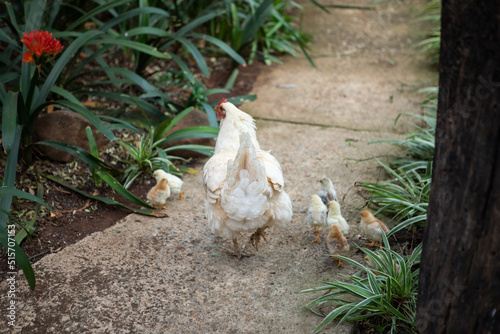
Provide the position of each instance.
(91, 14)
(133, 45)
(9, 178)
(81, 154)
(11, 191)
(105, 200)
(9, 120)
(221, 45)
(113, 183)
(193, 132)
(20, 257)
(251, 27)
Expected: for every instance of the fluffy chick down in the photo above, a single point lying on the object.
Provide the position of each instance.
(159, 194)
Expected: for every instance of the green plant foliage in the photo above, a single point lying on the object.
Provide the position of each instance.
(260, 28)
(431, 16)
(148, 154)
(388, 292)
(405, 196)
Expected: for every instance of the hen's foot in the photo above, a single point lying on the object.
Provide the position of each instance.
(255, 237)
(239, 253)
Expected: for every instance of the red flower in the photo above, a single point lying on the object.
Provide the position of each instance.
(39, 43)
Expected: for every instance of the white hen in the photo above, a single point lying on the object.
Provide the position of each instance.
(243, 183)
(174, 182)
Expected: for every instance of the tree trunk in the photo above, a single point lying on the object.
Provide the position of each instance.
(459, 290)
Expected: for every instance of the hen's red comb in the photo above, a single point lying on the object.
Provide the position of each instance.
(221, 101)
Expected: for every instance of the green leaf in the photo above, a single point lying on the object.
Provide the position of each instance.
(66, 94)
(29, 227)
(81, 154)
(136, 79)
(221, 45)
(193, 132)
(95, 152)
(198, 21)
(323, 8)
(9, 178)
(198, 57)
(9, 120)
(91, 117)
(133, 45)
(20, 257)
(132, 13)
(113, 183)
(207, 150)
(251, 27)
(91, 14)
(297, 38)
(11, 191)
(212, 117)
(147, 31)
(105, 200)
(166, 126)
(232, 79)
(117, 123)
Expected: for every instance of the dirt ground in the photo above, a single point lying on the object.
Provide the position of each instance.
(171, 275)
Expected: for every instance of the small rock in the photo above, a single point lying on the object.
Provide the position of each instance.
(66, 127)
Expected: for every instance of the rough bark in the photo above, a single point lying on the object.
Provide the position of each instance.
(459, 289)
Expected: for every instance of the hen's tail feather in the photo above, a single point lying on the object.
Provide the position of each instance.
(246, 192)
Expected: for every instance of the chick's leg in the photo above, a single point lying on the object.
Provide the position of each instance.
(181, 196)
(371, 244)
(317, 237)
(255, 237)
(340, 263)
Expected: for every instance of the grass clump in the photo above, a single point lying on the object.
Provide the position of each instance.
(384, 291)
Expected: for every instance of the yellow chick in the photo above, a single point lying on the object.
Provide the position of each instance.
(335, 217)
(316, 215)
(372, 228)
(337, 243)
(159, 194)
(174, 182)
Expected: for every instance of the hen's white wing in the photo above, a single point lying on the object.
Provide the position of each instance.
(214, 175)
(274, 173)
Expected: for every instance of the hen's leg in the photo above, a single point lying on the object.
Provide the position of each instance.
(237, 251)
(255, 237)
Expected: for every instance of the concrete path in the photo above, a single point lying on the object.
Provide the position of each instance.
(172, 275)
